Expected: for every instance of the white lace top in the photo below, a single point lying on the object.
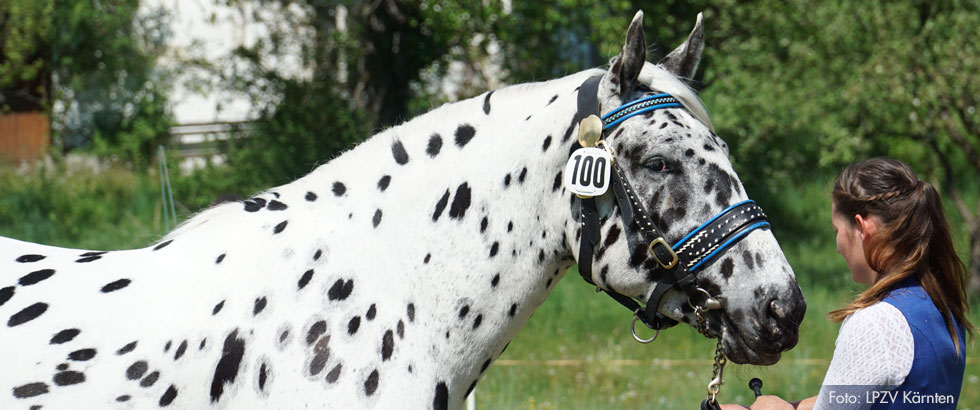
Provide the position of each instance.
(874, 347)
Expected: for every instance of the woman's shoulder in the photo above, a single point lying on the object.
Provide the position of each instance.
(881, 317)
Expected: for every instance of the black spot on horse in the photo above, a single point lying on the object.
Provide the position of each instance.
(82, 355)
(461, 202)
(150, 379)
(383, 183)
(338, 188)
(558, 181)
(441, 401)
(64, 336)
(30, 258)
(546, 144)
(494, 248)
(411, 312)
(156, 248)
(376, 219)
(260, 304)
(747, 259)
(180, 350)
(310, 196)
(254, 204)
(220, 258)
(63, 366)
(124, 398)
(280, 227)
(428, 257)
(33, 278)
(371, 384)
(506, 180)
(372, 311)
(495, 280)
(400, 329)
(322, 353)
(689, 153)
(510, 226)
(440, 206)
(353, 325)
(95, 258)
(464, 133)
(305, 279)
(486, 103)
(387, 345)
(483, 224)
(227, 368)
(168, 396)
(399, 153)
(114, 286)
(708, 147)
(129, 347)
(5, 294)
(513, 310)
(555, 97)
(477, 321)
(137, 370)
(277, 206)
(334, 374)
(68, 378)
(520, 178)
(263, 376)
(30, 390)
(316, 330)
(341, 289)
(727, 268)
(166, 347)
(27, 314)
(463, 311)
(571, 127)
(217, 308)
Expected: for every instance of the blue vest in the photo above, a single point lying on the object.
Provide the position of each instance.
(936, 369)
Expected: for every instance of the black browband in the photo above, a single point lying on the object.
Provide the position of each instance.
(680, 262)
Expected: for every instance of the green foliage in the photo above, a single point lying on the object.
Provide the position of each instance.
(546, 40)
(93, 66)
(88, 206)
(25, 27)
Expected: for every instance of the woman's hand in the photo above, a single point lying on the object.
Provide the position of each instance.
(771, 403)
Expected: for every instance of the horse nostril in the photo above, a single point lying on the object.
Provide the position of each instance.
(777, 309)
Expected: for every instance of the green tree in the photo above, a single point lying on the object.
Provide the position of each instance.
(92, 66)
(802, 88)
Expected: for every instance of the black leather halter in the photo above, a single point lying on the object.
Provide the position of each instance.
(679, 263)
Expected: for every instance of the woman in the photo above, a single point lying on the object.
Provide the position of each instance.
(902, 341)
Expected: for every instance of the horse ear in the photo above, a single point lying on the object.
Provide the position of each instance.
(683, 61)
(626, 69)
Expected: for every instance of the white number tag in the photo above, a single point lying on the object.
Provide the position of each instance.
(587, 171)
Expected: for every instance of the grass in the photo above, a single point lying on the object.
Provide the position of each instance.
(575, 353)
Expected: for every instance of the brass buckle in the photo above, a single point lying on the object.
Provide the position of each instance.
(673, 255)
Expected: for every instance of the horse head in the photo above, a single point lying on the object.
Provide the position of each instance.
(676, 198)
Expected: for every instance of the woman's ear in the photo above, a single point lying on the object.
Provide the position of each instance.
(867, 226)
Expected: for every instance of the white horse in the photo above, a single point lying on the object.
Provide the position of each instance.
(394, 275)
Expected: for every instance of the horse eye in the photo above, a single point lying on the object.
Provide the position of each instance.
(658, 164)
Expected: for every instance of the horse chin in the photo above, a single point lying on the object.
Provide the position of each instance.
(739, 350)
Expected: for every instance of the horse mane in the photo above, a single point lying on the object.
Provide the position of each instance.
(657, 78)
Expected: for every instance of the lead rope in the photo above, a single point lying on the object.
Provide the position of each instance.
(717, 370)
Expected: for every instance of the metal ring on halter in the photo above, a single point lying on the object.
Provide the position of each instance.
(633, 328)
(710, 303)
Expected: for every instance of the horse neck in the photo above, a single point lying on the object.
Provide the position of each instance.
(470, 229)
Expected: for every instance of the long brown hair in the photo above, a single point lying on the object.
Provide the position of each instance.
(913, 239)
